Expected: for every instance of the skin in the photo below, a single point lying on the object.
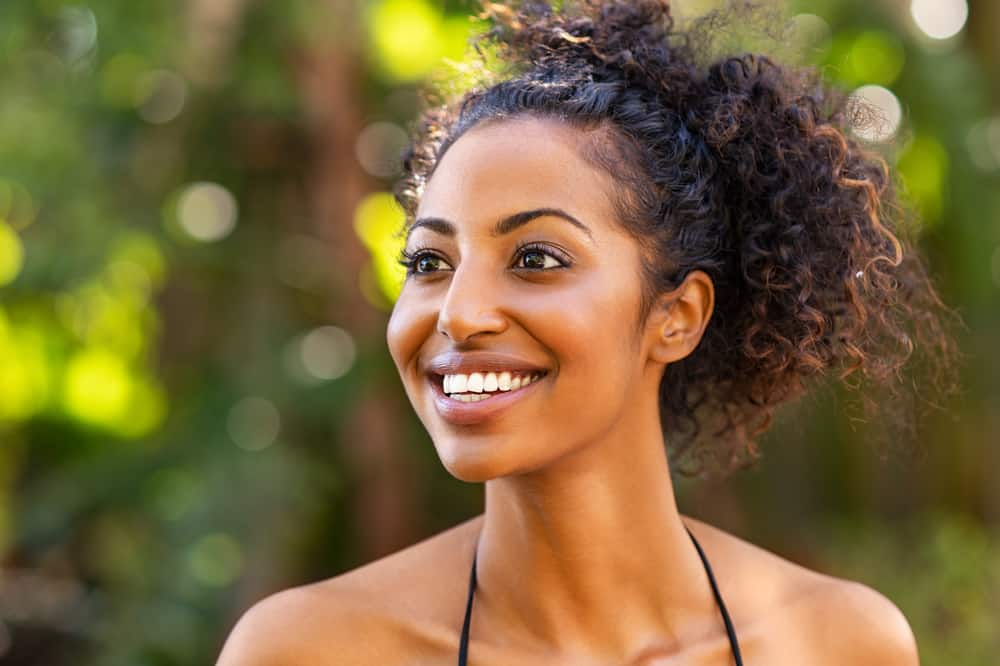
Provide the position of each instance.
(583, 557)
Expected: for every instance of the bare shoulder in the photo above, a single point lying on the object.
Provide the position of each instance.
(279, 630)
(857, 624)
(394, 610)
(787, 613)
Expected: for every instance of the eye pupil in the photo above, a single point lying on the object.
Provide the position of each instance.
(534, 259)
(426, 263)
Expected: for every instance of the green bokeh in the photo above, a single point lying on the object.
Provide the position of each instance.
(144, 373)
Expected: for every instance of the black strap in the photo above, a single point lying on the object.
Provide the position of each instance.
(463, 644)
(730, 631)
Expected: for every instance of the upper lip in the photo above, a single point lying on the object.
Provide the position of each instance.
(453, 363)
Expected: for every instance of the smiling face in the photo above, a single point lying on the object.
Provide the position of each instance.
(519, 264)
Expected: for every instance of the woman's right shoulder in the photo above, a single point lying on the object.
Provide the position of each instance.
(387, 611)
(282, 628)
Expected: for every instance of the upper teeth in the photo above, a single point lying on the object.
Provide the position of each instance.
(487, 382)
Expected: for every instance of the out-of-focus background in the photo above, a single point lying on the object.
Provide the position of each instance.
(197, 407)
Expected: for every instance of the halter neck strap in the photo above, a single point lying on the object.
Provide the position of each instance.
(463, 645)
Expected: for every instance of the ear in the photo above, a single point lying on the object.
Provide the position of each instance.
(679, 318)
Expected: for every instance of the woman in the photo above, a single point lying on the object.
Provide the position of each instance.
(608, 249)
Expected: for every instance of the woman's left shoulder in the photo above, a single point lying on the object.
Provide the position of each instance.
(863, 624)
(786, 609)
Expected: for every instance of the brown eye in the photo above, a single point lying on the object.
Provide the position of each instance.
(427, 263)
(535, 259)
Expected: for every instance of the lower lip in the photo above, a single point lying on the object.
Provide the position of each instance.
(469, 413)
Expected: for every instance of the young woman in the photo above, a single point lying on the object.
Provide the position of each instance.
(619, 258)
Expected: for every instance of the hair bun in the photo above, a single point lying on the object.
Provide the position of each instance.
(738, 167)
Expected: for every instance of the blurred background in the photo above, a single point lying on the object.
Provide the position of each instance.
(197, 407)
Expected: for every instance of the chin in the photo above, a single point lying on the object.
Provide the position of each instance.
(471, 473)
(472, 464)
(479, 461)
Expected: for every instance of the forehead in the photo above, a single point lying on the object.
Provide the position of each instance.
(507, 166)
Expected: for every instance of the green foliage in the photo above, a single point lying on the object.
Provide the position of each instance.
(870, 56)
(378, 221)
(410, 37)
(179, 358)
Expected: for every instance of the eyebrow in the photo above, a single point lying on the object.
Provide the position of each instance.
(502, 227)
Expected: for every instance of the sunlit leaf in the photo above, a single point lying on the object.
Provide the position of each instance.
(408, 37)
(98, 387)
(25, 373)
(377, 221)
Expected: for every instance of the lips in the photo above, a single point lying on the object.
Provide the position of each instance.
(457, 412)
(452, 363)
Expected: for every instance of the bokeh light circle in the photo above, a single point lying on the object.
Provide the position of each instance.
(207, 211)
(215, 560)
(77, 33)
(327, 352)
(160, 96)
(810, 32)
(880, 113)
(253, 423)
(940, 19)
(379, 148)
(983, 142)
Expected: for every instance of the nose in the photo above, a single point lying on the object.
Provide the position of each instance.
(470, 306)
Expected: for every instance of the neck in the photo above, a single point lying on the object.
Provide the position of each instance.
(589, 556)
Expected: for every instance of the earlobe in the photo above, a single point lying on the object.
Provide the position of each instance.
(681, 318)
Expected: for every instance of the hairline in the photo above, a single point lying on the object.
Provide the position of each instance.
(595, 131)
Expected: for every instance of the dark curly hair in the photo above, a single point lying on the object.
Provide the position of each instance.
(739, 167)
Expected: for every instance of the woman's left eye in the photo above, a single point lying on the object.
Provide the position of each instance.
(537, 259)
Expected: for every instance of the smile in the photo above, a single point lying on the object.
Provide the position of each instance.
(481, 385)
(467, 399)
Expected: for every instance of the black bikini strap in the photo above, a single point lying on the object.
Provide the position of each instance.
(463, 645)
(733, 643)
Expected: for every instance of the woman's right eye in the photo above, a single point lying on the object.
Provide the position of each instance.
(427, 263)
(423, 263)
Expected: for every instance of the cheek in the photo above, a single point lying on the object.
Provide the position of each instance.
(408, 327)
(590, 333)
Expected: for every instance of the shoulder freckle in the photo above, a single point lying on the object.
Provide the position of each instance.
(860, 626)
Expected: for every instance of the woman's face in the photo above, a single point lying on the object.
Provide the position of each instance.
(522, 268)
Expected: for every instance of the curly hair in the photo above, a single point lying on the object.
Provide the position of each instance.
(739, 167)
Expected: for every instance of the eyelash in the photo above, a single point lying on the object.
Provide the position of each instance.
(409, 259)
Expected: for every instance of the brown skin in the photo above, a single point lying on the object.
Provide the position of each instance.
(583, 556)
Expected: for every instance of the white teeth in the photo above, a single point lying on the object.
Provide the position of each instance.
(475, 383)
(480, 385)
(490, 382)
